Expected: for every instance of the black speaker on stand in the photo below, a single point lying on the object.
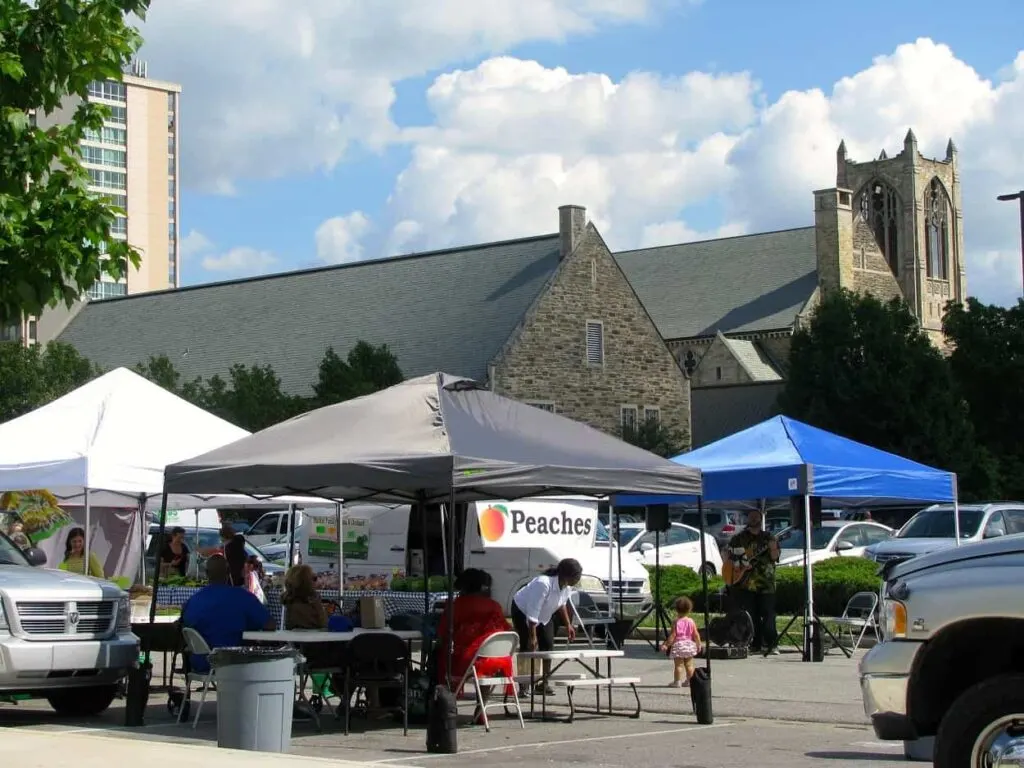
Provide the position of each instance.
(657, 522)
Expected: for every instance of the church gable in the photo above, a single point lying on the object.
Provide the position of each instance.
(734, 361)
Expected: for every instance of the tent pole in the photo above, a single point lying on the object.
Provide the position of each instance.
(450, 650)
(339, 523)
(956, 511)
(701, 514)
(142, 537)
(137, 694)
(291, 535)
(808, 582)
(88, 534)
(422, 504)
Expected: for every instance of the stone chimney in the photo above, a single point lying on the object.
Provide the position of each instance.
(572, 222)
(833, 229)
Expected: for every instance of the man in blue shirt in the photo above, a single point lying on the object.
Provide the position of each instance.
(221, 613)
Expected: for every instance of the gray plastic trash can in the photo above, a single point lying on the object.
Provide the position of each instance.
(255, 696)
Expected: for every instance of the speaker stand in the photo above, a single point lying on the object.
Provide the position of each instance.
(661, 618)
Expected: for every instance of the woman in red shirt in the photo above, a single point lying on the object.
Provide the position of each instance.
(477, 617)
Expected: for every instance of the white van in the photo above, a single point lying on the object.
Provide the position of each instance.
(385, 541)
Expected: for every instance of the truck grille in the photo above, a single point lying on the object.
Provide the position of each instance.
(52, 619)
(887, 556)
(629, 589)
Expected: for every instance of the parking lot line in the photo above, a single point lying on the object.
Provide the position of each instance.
(535, 744)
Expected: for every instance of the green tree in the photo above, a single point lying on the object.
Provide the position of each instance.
(987, 361)
(366, 369)
(31, 377)
(653, 436)
(160, 370)
(54, 234)
(864, 369)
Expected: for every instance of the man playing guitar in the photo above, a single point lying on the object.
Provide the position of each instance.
(749, 572)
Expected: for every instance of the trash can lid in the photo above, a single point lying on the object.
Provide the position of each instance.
(253, 654)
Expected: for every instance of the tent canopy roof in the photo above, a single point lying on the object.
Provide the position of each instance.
(114, 436)
(426, 438)
(784, 457)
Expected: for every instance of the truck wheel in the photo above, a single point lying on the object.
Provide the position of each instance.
(981, 722)
(83, 702)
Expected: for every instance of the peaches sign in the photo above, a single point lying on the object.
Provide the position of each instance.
(537, 523)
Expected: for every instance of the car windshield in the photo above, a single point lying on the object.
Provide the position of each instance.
(938, 524)
(10, 554)
(601, 537)
(793, 538)
(626, 535)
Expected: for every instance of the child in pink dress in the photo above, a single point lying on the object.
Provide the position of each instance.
(683, 644)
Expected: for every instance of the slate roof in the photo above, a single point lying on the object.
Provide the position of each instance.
(448, 310)
(753, 359)
(735, 284)
(717, 412)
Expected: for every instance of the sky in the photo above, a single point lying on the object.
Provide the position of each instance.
(328, 131)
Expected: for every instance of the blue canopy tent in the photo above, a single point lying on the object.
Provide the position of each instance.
(782, 457)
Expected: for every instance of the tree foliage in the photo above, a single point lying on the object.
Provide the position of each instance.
(653, 436)
(864, 369)
(55, 237)
(366, 369)
(31, 377)
(987, 362)
(251, 397)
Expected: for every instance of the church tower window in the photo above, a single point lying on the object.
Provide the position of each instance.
(937, 231)
(879, 208)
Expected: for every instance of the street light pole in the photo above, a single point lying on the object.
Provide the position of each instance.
(1018, 196)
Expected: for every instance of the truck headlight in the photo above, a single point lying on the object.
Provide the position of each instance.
(895, 618)
(124, 615)
(591, 584)
(645, 587)
(3, 616)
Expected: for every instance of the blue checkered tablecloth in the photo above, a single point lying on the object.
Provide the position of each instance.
(394, 602)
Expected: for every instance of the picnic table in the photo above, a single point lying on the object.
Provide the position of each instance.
(592, 679)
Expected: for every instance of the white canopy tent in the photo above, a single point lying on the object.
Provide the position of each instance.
(106, 444)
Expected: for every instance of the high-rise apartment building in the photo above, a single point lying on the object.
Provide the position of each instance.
(133, 160)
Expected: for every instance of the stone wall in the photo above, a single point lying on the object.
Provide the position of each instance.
(546, 358)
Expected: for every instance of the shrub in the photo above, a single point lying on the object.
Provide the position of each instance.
(835, 582)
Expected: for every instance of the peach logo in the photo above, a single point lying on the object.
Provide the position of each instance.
(492, 521)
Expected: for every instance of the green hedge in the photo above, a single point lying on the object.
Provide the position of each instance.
(835, 582)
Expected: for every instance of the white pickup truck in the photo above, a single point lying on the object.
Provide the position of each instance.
(952, 662)
(63, 637)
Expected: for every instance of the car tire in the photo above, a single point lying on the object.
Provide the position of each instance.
(972, 714)
(709, 569)
(83, 702)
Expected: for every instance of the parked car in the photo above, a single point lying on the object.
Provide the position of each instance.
(63, 637)
(931, 529)
(203, 542)
(835, 538)
(723, 524)
(951, 664)
(680, 545)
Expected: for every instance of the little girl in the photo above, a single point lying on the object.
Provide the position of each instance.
(683, 644)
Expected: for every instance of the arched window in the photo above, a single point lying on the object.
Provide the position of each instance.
(937, 231)
(879, 208)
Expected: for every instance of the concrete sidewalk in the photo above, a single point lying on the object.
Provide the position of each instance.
(61, 749)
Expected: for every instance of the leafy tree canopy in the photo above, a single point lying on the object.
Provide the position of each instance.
(366, 369)
(54, 234)
(987, 362)
(864, 369)
(31, 377)
(653, 436)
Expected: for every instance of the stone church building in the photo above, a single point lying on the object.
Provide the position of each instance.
(695, 336)
(728, 308)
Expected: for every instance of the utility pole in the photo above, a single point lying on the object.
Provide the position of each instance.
(1018, 196)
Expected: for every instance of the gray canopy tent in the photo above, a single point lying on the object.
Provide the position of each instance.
(433, 439)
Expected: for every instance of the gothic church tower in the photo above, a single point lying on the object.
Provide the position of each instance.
(894, 227)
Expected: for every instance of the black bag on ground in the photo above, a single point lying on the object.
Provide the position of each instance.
(700, 695)
(442, 722)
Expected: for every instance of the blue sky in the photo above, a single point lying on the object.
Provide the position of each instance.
(811, 45)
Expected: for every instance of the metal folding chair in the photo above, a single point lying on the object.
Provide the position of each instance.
(500, 645)
(195, 645)
(861, 614)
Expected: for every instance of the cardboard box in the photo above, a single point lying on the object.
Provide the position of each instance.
(371, 613)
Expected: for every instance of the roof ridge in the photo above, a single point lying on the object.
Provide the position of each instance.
(714, 240)
(328, 268)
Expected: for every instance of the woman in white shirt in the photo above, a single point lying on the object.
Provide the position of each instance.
(534, 607)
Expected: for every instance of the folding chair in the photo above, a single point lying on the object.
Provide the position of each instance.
(861, 613)
(195, 645)
(500, 645)
(594, 618)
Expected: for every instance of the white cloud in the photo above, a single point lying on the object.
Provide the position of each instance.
(513, 140)
(272, 87)
(338, 238)
(238, 262)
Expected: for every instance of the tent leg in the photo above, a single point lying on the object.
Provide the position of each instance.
(88, 534)
(956, 510)
(450, 645)
(139, 678)
(812, 632)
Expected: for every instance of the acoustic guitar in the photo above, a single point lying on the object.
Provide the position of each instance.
(737, 569)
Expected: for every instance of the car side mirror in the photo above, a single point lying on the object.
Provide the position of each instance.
(843, 546)
(646, 547)
(35, 556)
